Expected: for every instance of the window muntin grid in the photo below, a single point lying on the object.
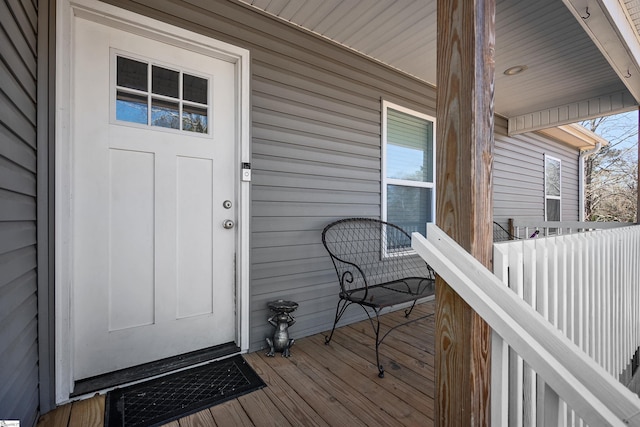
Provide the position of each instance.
(161, 97)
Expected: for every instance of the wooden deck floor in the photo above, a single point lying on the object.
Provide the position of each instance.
(320, 385)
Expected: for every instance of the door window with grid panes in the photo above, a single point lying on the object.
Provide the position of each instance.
(160, 96)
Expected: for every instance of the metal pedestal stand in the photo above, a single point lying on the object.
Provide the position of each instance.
(281, 320)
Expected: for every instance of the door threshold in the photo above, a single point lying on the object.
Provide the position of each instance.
(151, 369)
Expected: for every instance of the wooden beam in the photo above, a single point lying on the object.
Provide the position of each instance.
(466, 39)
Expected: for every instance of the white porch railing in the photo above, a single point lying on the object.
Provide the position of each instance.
(536, 367)
(523, 227)
(586, 285)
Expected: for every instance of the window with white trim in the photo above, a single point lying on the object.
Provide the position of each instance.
(408, 168)
(552, 186)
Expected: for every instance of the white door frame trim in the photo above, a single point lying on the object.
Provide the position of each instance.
(97, 11)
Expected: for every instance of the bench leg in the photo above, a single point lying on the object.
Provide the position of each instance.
(376, 328)
(340, 309)
(408, 312)
(375, 324)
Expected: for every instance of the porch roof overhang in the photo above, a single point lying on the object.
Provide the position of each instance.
(577, 63)
(575, 136)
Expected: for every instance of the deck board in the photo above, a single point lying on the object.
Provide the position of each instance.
(360, 406)
(323, 402)
(320, 385)
(88, 413)
(296, 409)
(202, 418)
(399, 381)
(376, 397)
(391, 359)
(231, 413)
(262, 411)
(59, 417)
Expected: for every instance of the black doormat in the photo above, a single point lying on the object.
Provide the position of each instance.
(174, 396)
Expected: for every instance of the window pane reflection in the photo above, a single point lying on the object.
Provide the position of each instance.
(131, 108)
(552, 171)
(409, 147)
(165, 114)
(409, 207)
(132, 74)
(165, 82)
(194, 119)
(553, 210)
(194, 89)
(407, 163)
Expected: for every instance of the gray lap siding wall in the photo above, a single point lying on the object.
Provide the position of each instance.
(518, 175)
(19, 392)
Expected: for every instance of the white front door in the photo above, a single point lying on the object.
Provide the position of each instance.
(152, 182)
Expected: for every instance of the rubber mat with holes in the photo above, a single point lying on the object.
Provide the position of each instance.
(168, 398)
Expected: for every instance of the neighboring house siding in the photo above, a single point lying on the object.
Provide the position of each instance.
(18, 285)
(518, 175)
(316, 111)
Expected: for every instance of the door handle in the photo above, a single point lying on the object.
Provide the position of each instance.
(227, 223)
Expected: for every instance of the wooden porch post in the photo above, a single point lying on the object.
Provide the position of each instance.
(465, 79)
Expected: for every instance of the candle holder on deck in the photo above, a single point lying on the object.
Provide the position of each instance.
(282, 319)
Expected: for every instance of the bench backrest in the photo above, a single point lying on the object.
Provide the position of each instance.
(369, 252)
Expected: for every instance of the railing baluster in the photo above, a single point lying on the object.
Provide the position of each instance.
(561, 284)
(608, 289)
(516, 365)
(629, 308)
(591, 304)
(542, 307)
(552, 408)
(562, 309)
(529, 379)
(629, 302)
(608, 295)
(500, 352)
(598, 299)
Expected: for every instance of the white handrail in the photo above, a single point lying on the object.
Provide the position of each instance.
(595, 395)
(524, 227)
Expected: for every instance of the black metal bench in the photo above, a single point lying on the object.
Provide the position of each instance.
(377, 268)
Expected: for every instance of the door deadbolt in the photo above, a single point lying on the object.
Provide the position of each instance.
(228, 224)
(227, 204)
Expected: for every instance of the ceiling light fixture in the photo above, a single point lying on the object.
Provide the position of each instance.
(512, 71)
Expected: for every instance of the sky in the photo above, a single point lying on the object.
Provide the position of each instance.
(621, 130)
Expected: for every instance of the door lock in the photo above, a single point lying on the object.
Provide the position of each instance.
(227, 204)
(227, 223)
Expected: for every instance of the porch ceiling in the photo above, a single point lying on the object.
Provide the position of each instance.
(633, 7)
(567, 77)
